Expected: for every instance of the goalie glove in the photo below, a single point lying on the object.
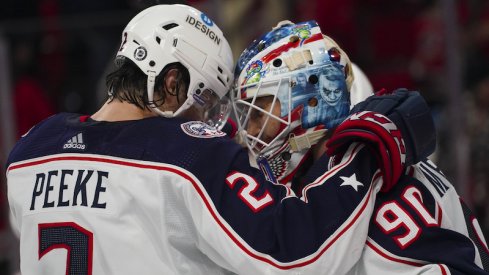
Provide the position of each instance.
(398, 127)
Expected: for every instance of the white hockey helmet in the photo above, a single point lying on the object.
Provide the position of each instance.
(164, 34)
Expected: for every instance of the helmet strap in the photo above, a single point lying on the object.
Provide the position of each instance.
(286, 161)
(151, 89)
(306, 140)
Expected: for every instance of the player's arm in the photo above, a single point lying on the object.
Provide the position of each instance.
(275, 230)
(269, 228)
(422, 224)
(266, 228)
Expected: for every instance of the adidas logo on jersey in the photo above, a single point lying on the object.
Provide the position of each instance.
(75, 142)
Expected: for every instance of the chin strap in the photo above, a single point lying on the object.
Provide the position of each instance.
(306, 140)
(151, 89)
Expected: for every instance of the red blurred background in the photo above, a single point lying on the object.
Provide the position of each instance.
(54, 55)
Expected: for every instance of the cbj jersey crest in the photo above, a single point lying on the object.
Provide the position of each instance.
(200, 130)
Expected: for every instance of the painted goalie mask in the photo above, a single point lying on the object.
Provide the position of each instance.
(291, 85)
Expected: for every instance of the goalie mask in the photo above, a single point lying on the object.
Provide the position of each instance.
(291, 86)
(165, 34)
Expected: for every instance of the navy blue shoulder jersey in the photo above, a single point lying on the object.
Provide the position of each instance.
(153, 139)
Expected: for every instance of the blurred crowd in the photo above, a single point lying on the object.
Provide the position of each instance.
(60, 50)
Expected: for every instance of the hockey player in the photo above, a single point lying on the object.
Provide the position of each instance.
(420, 226)
(143, 186)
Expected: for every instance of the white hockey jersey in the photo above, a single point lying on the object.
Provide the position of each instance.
(166, 196)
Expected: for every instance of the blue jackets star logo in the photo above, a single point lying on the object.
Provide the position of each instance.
(351, 181)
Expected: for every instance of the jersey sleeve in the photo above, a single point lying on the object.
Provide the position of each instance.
(422, 226)
(256, 226)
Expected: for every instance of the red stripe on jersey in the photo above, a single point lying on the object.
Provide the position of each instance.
(443, 270)
(440, 214)
(403, 261)
(330, 173)
(388, 257)
(188, 177)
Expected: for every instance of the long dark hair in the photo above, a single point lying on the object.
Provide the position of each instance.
(128, 83)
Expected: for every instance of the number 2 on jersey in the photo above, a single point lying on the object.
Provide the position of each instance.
(246, 193)
(77, 241)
